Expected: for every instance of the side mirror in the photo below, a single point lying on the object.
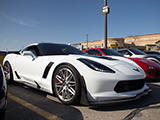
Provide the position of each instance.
(29, 53)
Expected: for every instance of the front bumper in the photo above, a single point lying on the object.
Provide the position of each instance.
(139, 95)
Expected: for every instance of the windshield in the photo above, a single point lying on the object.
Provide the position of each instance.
(59, 49)
(110, 52)
(137, 52)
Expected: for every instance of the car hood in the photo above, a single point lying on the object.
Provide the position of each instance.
(110, 61)
(124, 59)
(120, 66)
(147, 62)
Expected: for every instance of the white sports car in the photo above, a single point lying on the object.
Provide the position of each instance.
(73, 76)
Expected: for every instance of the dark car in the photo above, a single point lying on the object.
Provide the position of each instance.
(153, 52)
(3, 94)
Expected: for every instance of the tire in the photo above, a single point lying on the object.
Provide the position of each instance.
(66, 84)
(8, 72)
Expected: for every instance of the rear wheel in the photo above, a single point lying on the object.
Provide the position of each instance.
(8, 72)
(66, 84)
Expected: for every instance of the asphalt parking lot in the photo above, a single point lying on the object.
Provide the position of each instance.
(25, 103)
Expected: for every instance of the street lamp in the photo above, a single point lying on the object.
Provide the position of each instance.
(87, 40)
(105, 11)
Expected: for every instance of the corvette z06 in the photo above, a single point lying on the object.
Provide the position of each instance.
(75, 77)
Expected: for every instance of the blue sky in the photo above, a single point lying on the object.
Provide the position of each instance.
(23, 22)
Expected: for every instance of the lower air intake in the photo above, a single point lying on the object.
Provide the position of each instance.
(124, 86)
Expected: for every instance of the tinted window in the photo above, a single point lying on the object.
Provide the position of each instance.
(58, 49)
(34, 49)
(93, 52)
(110, 52)
(137, 52)
(123, 52)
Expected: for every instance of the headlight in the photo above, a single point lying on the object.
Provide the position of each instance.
(96, 66)
(150, 67)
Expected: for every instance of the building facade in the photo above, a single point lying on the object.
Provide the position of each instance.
(142, 42)
(112, 43)
(145, 42)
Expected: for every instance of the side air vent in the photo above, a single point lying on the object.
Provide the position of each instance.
(47, 70)
(17, 75)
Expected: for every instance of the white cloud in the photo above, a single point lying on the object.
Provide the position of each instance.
(25, 22)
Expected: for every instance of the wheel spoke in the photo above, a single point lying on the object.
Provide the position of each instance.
(59, 78)
(8, 76)
(72, 83)
(71, 90)
(65, 74)
(62, 74)
(7, 71)
(68, 96)
(64, 94)
(58, 85)
(60, 90)
(69, 77)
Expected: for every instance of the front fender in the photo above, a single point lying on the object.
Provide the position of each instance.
(11, 58)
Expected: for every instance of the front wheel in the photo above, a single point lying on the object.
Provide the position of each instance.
(8, 72)
(66, 84)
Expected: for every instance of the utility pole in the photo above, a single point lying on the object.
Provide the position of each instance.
(105, 11)
(87, 40)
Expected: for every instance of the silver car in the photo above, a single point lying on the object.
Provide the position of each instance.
(135, 53)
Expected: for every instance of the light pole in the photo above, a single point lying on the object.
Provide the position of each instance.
(105, 11)
(87, 40)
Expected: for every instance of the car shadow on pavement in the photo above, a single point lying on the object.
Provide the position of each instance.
(17, 111)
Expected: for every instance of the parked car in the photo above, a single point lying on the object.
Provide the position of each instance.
(74, 76)
(153, 52)
(151, 68)
(135, 53)
(3, 94)
(2, 55)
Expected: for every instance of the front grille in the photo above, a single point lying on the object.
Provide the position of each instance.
(124, 86)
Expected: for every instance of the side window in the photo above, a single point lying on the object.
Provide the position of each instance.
(123, 52)
(128, 53)
(33, 49)
(89, 52)
(96, 52)
(93, 52)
